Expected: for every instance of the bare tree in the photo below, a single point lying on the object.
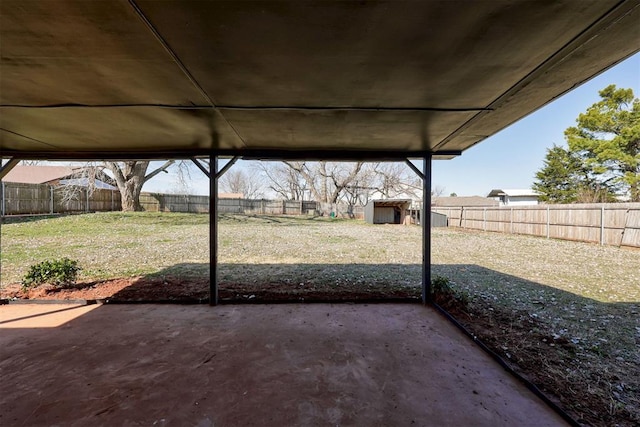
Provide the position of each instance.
(130, 176)
(240, 181)
(396, 180)
(326, 181)
(284, 181)
(353, 182)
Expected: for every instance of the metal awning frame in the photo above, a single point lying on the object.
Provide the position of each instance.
(214, 174)
(262, 154)
(425, 175)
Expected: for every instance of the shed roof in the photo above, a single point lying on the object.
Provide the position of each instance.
(149, 79)
(391, 202)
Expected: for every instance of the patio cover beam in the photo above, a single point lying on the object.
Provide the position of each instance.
(6, 168)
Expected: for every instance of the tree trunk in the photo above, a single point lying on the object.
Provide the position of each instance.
(130, 177)
(130, 195)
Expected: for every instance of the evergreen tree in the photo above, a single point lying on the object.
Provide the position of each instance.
(559, 180)
(603, 155)
(607, 137)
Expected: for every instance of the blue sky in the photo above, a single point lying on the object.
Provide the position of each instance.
(508, 159)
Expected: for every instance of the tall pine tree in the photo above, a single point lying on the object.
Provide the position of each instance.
(607, 137)
(559, 180)
(603, 156)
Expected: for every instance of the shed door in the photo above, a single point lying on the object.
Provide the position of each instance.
(383, 215)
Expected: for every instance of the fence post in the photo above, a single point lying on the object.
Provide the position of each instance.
(2, 191)
(602, 225)
(548, 223)
(87, 193)
(51, 198)
(484, 220)
(511, 221)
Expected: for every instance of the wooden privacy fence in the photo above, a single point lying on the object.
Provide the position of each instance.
(32, 199)
(288, 207)
(156, 202)
(616, 224)
(29, 199)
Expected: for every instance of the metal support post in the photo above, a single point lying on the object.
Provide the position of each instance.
(6, 167)
(213, 231)
(426, 230)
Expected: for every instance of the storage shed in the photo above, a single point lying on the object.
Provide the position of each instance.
(386, 211)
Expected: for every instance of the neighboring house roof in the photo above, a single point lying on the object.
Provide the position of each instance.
(66, 175)
(37, 174)
(463, 201)
(230, 196)
(513, 193)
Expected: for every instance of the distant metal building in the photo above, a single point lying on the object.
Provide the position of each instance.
(387, 211)
(524, 197)
(438, 219)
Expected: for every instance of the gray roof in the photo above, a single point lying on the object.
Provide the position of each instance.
(157, 79)
(463, 201)
(526, 192)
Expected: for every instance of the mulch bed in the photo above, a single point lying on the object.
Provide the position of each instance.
(179, 289)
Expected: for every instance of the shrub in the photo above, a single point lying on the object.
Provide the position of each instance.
(445, 295)
(59, 273)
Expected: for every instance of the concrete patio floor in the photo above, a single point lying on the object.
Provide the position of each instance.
(251, 365)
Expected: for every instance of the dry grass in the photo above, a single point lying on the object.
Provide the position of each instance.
(573, 307)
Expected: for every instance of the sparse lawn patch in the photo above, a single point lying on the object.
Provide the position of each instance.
(566, 314)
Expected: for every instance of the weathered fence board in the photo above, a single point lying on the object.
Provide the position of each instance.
(616, 224)
(156, 202)
(631, 234)
(26, 199)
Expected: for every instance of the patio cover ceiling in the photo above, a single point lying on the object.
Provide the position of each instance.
(158, 79)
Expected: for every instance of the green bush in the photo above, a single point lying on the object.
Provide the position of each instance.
(59, 273)
(445, 295)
